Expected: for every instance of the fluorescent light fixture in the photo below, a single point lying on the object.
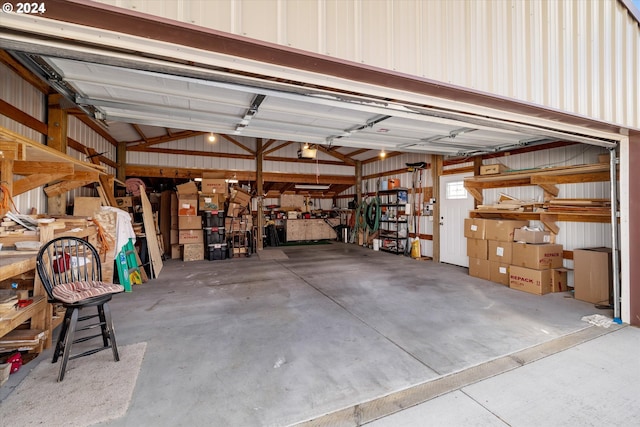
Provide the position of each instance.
(312, 186)
(197, 179)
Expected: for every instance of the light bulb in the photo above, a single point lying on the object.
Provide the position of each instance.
(212, 137)
(383, 154)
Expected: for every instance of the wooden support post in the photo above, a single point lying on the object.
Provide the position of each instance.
(358, 192)
(6, 176)
(57, 121)
(121, 160)
(436, 172)
(259, 193)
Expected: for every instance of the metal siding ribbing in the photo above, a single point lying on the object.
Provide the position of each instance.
(574, 55)
(19, 93)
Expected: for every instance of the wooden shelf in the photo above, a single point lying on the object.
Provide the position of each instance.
(547, 179)
(35, 311)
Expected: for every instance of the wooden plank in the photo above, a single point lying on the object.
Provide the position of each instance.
(152, 241)
(63, 187)
(571, 178)
(11, 321)
(86, 206)
(27, 167)
(35, 180)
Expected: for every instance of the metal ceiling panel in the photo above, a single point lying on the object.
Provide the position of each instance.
(153, 99)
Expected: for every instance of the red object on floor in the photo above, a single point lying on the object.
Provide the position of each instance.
(16, 362)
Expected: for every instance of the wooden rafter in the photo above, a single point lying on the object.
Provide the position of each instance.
(191, 152)
(284, 144)
(139, 132)
(98, 128)
(24, 73)
(82, 149)
(377, 158)
(311, 161)
(354, 153)
(238, 143)
(347, 160)
(139, 145)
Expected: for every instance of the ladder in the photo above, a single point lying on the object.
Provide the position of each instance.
(128, 268)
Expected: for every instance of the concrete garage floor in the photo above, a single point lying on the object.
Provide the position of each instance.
(341, 335)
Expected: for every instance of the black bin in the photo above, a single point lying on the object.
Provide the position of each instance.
(213, 218)
(216, 252)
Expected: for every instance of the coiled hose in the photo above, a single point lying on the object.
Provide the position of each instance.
(373, 214)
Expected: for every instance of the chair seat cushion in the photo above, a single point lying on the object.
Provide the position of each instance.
(78, 291)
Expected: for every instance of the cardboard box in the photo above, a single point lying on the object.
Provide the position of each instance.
(176, 251)
(559, 280)
(211, 186)
(492, 169)
(86, 206)
(474, 228)
(499, 272)
(529, 280)
(502, 230)
(593, 275)
(124, 202)
(174, 221)
(193, 222)
(174, 237)
(235, 210)
(240, 196)
(188, 205)
(477, 248)
(190, 236)
(393, 183)
(539, 257)
(211, 202)
(480, 268)
(174, 203)
(188, 189)
(525, 235)
(500, 251)
(193, 252)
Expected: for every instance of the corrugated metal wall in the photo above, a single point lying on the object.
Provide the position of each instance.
(200, 143)
(83, 134)
(574, 55)
(20, 94)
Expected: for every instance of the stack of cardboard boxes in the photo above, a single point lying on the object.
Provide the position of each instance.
(239, 223)
(503, 252)
(189, 222)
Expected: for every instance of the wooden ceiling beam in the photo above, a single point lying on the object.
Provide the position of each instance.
(138, 145)
(347, 160)
(239, 144)
(285, 144)
(140, 132)
(24, 73)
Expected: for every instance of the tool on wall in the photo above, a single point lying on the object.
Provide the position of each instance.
(416, 180)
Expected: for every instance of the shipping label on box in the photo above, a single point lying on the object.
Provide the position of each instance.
(499, 272)
(539, 257)
(502, 230)
(477, 248)
(525, 235)
(188, 206)
(500, 251)
(192, 222)
(210, 186)
(480, 268)
(474, 228)
(211, 202)
(190, 236)
(529, 280)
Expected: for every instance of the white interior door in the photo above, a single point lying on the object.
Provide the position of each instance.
(455, 204)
